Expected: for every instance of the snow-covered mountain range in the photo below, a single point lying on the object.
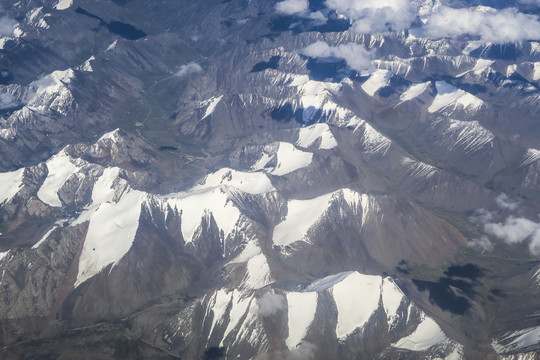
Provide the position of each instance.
(293, 179)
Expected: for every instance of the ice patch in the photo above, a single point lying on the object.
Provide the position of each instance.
(414, 91)
(211, 105)
(262, 162)
(111, 233)
(301, 215)
(379, 79)
(60, 167)
(308, 135)
(301, 311)
(44, 238)
(10, 184)
(426, 335)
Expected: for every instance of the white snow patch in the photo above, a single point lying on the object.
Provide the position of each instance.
(262, 162)
(392, 297)
(531, 156)
(103, 190)
(220, 303)
(328, 282)
(51, 92)
(194, 204)
(258, 272)
(448, 94)
(289, 159)
(64, 4)
(44, 238)
(301, 215)
(111, 233)
(413, 91)
(536, 71)
(3, 255)
(315, 95)
(87, 66)
(481, 65)
(517, 340)
(252, 183)
(379, 79)
(374, 141)
(357, 298)
(301, 310)
(211, 105)
(426, 335)
(308, 135)
(10, 184)
(60, 167)
(468, 136)
(238, 310)
(251, 250)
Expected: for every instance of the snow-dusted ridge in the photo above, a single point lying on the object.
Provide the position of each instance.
(448, 95)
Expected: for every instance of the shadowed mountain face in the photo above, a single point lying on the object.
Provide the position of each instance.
(269, 180)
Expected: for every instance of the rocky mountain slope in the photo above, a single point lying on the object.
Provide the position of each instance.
(269, 180)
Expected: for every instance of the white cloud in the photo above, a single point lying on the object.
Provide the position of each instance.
(505, 203)
(513, 230)
(376, 16)
(517, 230)
(7, 26)
(486, 24)
(270, 303)
(355, 55)
(292, 7)
(482, 243)
(191, 68)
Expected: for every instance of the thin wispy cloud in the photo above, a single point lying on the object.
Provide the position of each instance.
(270, 303)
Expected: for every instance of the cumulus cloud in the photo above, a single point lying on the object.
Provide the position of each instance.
(505, 203)
(513, 230)
(482, 243)
(270, 303)
(292, 7)
(376, 16)
(485, 24)
(191, 68)
(355, 55)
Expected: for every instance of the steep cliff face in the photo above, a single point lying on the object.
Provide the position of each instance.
(253, 180)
